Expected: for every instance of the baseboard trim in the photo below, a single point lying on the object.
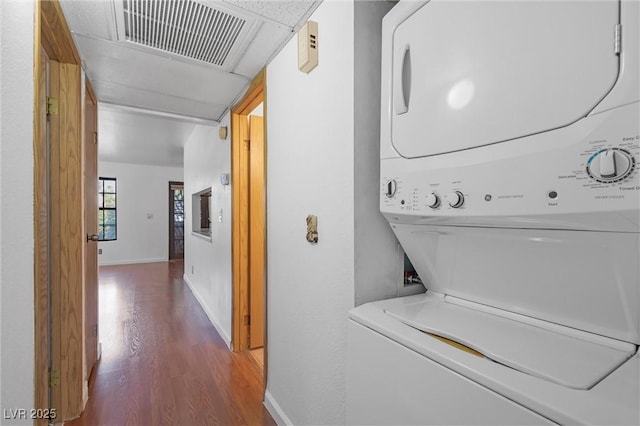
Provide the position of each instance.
(275, 410)
(205, 308)
(131, 262)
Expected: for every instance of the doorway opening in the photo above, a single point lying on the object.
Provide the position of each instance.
(176, 220)
(248, 156)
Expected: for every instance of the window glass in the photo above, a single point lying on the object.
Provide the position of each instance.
(107, 209)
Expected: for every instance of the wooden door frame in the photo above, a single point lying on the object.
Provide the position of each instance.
(255, 95)
(89, 330)
(52, 35)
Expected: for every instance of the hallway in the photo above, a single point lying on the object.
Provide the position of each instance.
(162, 360)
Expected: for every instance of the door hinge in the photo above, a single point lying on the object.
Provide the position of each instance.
(247, 144)
(54, 378)
(617, 45)
(52, 106)
(95, 138)
(95, 330)
(247, 320)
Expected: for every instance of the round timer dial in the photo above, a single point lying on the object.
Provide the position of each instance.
(610, 165)
(433, 200)
(390, 188)
(455, 199)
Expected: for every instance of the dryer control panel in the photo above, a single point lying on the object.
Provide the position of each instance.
(583, 176)
(610, 165)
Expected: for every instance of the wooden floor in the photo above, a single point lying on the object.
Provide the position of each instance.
(163, 363)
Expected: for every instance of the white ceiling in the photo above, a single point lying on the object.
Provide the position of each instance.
(157, 88)
(126, 135)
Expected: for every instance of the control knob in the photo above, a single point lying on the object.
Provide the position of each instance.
(433, 200)
(390, 188)
(455, 199)
(610, 165)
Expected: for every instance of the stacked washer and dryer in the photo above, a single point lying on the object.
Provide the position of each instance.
(510, 142)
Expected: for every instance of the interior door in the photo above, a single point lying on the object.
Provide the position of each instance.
(472, 73)
(256, 231)
(176, 220)
(42, 337)
(68, 240)
(91, 225)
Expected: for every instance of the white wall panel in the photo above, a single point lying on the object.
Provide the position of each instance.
(142, 191)
(310, 171)
(378, 265)
(207, 264)
(16, 219)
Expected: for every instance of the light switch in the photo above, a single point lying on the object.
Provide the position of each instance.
(312, 228)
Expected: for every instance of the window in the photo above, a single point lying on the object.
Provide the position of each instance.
(107, 209)
(201, 212)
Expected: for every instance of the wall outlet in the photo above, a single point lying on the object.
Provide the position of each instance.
(99, 251)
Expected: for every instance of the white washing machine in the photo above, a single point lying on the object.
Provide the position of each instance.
(510, 143)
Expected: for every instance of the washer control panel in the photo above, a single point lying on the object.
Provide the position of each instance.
(583, 176)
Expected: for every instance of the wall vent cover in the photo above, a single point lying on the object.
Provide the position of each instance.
(187, 28)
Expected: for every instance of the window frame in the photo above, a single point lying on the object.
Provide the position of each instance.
(102, 208)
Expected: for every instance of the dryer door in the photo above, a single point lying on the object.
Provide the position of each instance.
(472, 73)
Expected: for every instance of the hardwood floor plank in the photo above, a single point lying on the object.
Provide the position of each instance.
(163, 363)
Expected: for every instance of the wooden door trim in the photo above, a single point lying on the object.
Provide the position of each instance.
(240, 201)
(92, 96)
(90, 265)
(240, 237)
(55, 34)
(239, 231)
(257, 224)
(52, 35)
(41, 227)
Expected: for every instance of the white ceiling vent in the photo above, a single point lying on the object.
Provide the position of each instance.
(186, 28)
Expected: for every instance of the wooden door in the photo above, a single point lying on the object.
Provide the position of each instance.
(256, 231)
(68, 240)
(91, 225)
(41, 228)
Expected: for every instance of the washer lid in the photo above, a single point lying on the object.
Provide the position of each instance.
(471, 73)
(558, 354)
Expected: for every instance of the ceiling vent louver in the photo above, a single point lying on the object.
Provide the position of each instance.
(187, 28)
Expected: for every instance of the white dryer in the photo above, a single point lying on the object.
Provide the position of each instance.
(510, 142)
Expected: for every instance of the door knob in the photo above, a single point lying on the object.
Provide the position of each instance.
(92, 237)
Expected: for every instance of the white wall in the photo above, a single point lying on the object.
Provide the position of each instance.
(310, 147)
(142, 190)
(207, 263)
(16, 217)
(378, 268)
